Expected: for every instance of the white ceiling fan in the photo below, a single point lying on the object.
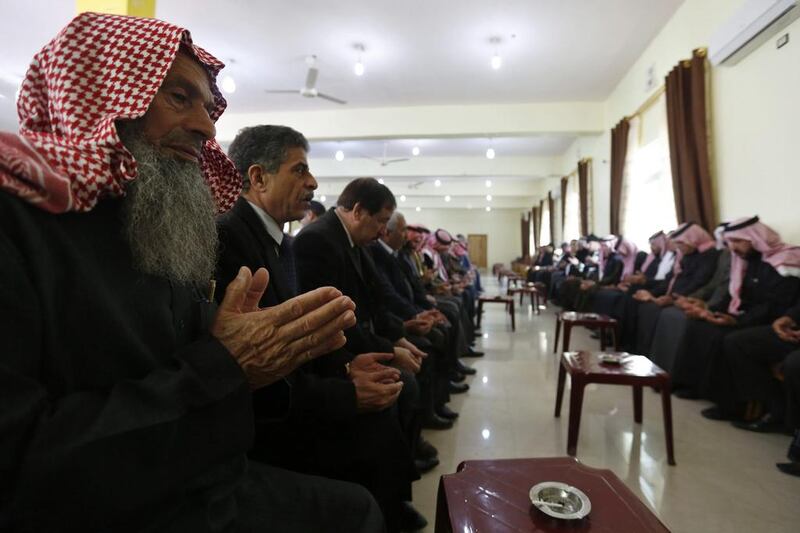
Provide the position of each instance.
(309, 89)
(383, 161)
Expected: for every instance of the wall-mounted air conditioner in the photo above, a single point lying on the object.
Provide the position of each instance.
(749, 27)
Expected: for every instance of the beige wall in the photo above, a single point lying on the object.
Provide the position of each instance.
(500, 225)
(755, 119)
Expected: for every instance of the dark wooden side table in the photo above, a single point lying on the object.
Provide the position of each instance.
(508, 301)
(528, 289)
(592, 320)
(636, 370)
(493, 496)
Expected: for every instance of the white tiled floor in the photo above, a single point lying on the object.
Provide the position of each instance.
(725, 479)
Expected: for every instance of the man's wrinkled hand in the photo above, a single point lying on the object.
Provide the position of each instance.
(404, 360)
(786, 329)
(270, 343)
(643, 295)
(377, 385)
(721, 319)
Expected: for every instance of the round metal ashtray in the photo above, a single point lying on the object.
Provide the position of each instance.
(560, 500)
(612, 358)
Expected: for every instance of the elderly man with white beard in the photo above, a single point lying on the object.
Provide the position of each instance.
(126, 394)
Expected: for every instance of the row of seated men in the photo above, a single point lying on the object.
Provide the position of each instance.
(135, 395)
(720, 313)
(354, 414)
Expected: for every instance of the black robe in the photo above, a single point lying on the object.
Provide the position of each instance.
(119, 411)
(701, 365)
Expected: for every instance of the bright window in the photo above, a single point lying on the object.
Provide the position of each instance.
(572, 211)
(648, 203)
(544, 234)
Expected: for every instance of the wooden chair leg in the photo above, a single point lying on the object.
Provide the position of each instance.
(480, 314)
(513, 316)
(567, 335)
(637, 404)
(615, 333)
(575, 407)
(558, 332)
(666, 405)
(562, 378)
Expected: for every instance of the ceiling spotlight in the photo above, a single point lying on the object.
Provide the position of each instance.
(380, 180)
(437, 183)
(488, 197)
(402, 197)
(418, 209)
(488, 184)
(228, 85)
(415, 150)
(323, 198)
(490, 153)
(488, 208)
(447, 198)
(339, 155)
(496, 62)
(359, 67)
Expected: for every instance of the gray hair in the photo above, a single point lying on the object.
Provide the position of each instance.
(267, 146)
(392, 224)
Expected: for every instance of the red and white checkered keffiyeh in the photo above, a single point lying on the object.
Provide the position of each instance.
(98, 69)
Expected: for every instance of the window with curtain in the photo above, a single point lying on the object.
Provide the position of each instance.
(544, 235)
(531, 232)
(648, 202)
(572, 210)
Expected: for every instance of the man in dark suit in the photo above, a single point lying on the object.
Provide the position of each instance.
(332, 418)
(330, 252)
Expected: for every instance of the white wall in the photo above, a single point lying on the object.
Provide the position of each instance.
(755, 118)
(500, 225)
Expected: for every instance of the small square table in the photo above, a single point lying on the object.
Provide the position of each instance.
(493, 496)
(635, 370)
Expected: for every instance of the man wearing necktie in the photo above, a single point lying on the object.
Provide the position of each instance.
(334, 418)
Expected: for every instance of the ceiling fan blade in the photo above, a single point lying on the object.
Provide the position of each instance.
(281, 91)
(331, 98)
(395, 160)
(311, 78)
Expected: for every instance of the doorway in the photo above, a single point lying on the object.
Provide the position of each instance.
(477, 249)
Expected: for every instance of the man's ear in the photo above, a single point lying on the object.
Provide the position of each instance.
(257, 176)
(358, 211)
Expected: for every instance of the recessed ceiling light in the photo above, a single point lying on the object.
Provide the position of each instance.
(402, 197)
(323, 198)
(437, 183)
(228, 85)
(418, 209)
(380, 180)
(490, 153)
(488, 197)
(447, 198)
(359, 66)
(415, 150)
(488, 208)
(488, 183)
(339, 155)
(496, 62)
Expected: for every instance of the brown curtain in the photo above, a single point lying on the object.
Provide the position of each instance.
(583, 193)
(536, 226)
(563, 203)
(619, 149)
(525, 226)
(688, 141)
(551, 207)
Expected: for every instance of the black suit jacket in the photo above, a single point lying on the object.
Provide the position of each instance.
(397, 291)
(244, 241)
(324, 257)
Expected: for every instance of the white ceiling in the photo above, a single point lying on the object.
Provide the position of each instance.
(417, 53)
(540, 146)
